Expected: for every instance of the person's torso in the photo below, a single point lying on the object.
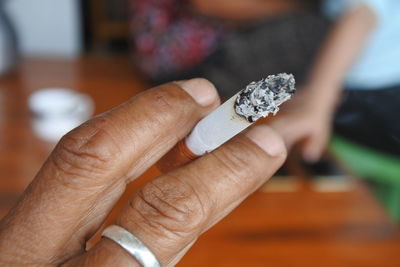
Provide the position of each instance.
(378, 65)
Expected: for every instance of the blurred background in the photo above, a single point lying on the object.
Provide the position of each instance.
(63, 61)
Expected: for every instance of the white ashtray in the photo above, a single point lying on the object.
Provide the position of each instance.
(57, 111)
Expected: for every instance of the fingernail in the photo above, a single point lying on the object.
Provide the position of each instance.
(201, 90)
(268, 140)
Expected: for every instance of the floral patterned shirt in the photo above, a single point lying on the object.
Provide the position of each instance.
(170, 37)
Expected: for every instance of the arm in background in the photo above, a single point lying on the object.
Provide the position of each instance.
(315, 105)
(341, 48)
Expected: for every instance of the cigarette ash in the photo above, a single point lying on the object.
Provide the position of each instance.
(259, 99)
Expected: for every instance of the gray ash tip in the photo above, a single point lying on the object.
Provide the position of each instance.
(259, 99)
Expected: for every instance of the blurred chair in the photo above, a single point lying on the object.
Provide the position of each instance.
(381, 169)
(8, 41)
(108, 20)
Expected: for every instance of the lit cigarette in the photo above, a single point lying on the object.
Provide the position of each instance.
(257, 100)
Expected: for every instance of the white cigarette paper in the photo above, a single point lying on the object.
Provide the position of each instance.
(217, 128)
(257, 100)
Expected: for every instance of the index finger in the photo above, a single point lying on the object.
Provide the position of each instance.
(89, 169)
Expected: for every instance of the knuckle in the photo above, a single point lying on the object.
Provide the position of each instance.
(171, 205)
(170, 105)
(239, 160)
(86, 154)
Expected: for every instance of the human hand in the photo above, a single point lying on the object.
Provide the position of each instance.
(89, 169)
(307, 121)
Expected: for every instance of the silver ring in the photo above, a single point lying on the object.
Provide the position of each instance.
(132, 245)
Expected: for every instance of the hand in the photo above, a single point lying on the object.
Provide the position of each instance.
(308, 121)
(89, 169)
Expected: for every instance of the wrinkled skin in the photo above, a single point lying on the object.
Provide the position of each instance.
(89, 169)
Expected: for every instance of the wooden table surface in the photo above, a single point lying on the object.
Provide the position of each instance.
(303, 228)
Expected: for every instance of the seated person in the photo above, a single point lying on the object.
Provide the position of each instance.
(360, 55)
(229, 42)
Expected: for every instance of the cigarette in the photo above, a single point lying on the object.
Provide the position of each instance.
(257, 100)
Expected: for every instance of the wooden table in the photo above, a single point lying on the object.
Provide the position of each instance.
(303, 228)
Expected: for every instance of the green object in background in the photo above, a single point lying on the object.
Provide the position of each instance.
(383, 170)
